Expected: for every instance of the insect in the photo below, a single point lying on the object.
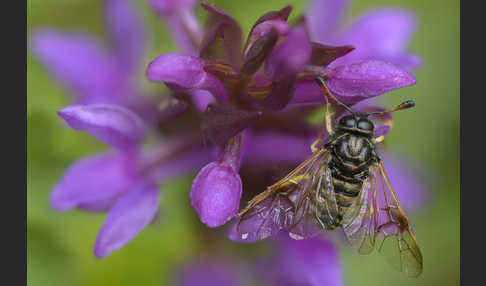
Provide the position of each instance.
(343, 184)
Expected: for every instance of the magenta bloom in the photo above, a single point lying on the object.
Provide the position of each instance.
(248, 82)
(209, 271)
(110, 106)
(303, 262)
(289, 263)
(233, 113)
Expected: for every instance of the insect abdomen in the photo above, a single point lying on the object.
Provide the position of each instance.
(351, 157)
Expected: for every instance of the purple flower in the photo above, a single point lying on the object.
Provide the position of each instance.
(216, 191)
(379, 34)
(311, 262)
(109, 106)
(232, 111)
(251, 85)
(382, 34)
(208, 271)
(122, 182)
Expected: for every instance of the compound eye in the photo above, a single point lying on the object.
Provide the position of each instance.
(365, 124)
(348, 121)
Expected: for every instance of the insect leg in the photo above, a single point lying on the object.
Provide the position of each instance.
(379, 139)
(327, 94)
(387, 122)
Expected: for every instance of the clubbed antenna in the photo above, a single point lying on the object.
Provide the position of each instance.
(403, 105)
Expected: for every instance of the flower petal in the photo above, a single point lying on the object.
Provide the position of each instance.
(272, 17)
(322, 55)
(184, 26)
(323, 18)
(301, 262)
(126, 33)
(219, 123)
(168, 7)
(77, 60)
(289, 56)
(258, 52)
(307, 92)
(112, 124)
(208, 272)
(191, 160)
(231, 32)
(98, 206)
(93, 182)
(276, 148)
(381, 130)
(185, 73)
(366, 79)
(281, 94)
(128, 216)
(216, 193)
(381, 34)
(270, 21)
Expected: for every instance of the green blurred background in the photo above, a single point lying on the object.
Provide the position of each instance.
(60, 245)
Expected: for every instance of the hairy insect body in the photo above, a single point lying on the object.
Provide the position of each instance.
(351, 156)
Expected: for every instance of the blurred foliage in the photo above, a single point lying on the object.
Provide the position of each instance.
(60, 244)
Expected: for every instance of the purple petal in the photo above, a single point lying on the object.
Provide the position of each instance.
(215, 194)
(276, 148)
(264, 28)
(280, 95)
(273, 20)
(188, 161)
(185, 73)
(323, 55)
(170, 107)
(128, 216)
(126, 33)
(312, 262)
(366, 79)
(232, 33)
(219, 124)
(98, 206)
(213, 45)
(289, 56)
(186, 31)
(201, 99)
(77, 60)
(168, 7)
(184, 26)
(323, 18)
(231, 154)
(280, 15)
(408, 180)
(381, 130)
(307, 92)
(112, 124)
(208, 272)
(93, 183)
(258, 51)
(382, 34)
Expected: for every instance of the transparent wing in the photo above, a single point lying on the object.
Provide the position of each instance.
(285, 204)
(382, 224)
(359, 221)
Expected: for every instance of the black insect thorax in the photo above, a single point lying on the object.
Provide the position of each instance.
(352, 154)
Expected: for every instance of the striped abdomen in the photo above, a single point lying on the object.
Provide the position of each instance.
(351, 156)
